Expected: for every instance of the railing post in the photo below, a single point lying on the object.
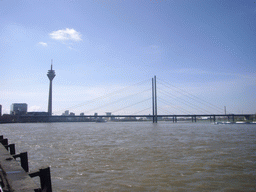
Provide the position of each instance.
(23, 160)
(4, 141)
(12, 148)
(45, 179)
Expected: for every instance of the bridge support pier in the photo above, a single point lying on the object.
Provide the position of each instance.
(193, 118)
(174, 119)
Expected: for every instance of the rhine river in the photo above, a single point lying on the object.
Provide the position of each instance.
(140, 156)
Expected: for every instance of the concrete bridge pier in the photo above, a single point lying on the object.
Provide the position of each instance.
(193, 118)
(174, 119)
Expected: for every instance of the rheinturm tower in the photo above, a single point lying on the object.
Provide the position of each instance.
(51, 75)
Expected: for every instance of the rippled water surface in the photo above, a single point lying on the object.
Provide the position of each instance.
(140, 156)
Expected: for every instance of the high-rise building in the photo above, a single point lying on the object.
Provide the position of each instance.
(66, 112)
(51, 75)
(19, 109)
(0, 110)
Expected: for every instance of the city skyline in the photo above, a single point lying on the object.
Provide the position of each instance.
(204, 48)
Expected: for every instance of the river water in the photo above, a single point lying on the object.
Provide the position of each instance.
(140, 156)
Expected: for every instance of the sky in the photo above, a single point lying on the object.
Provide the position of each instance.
(106, 52)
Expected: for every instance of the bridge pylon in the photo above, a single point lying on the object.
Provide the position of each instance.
(154, 100)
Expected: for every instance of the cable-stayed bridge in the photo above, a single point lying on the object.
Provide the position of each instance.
(152, 99)
(137, 100)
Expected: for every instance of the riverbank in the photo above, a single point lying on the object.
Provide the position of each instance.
(14, 174)
(13, 177)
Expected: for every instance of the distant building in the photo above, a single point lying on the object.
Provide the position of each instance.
(81, 114)
(0, 110)
(109, 114)
(95, 116)
(72, 114)
(19, 109)
(66, 113)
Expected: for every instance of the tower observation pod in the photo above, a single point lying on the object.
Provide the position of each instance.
(51, 75)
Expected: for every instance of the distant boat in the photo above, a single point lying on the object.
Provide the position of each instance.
(238, 122)
(242, 122)
(223, 122)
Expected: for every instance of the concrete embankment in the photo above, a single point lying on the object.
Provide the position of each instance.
(14, 174)
(13, 177)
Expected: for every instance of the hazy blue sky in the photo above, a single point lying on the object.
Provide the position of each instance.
(205, 48)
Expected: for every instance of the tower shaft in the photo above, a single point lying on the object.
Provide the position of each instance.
(51, 75)
(50, 99)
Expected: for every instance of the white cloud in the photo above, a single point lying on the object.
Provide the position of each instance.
(43, 44)
(66, 34)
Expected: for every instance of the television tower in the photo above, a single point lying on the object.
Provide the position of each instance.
(51, 75)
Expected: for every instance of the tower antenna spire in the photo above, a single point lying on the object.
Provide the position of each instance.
(51, 64)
